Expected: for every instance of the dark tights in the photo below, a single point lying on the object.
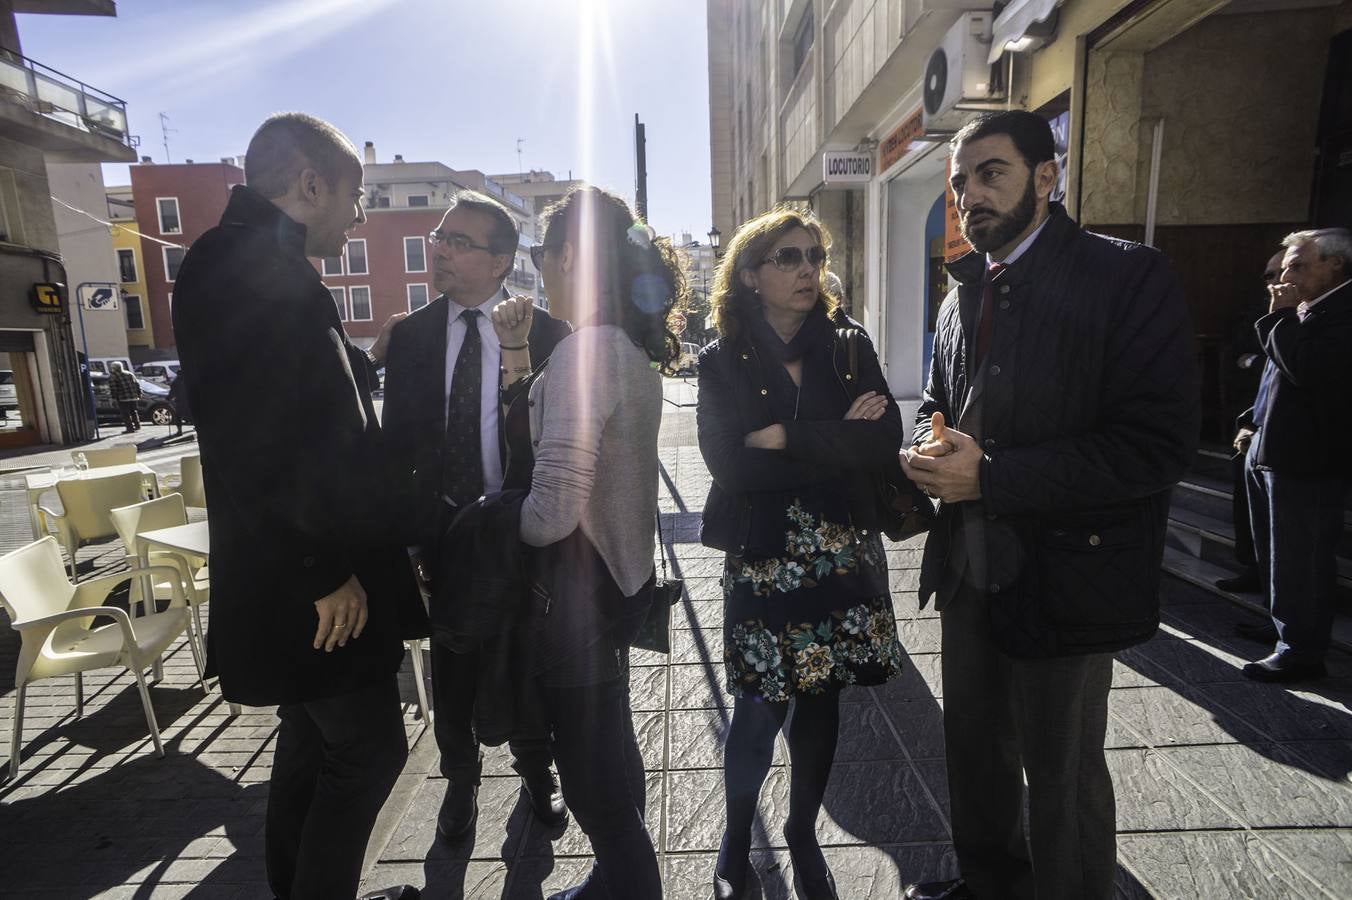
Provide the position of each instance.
(811, 732)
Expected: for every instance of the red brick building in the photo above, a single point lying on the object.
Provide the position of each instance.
(176, 204)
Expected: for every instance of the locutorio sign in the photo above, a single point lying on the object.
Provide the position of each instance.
(846, 167)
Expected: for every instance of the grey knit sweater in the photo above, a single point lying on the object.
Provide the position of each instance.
(595, 412)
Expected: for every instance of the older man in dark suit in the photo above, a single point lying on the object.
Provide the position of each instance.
(312, 592)
(1299, 458)
(442, 418)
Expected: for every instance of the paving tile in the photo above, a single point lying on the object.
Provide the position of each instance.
(1211, 864)
(865, 735)
(1160, 716)
(442, 879)
(501, 825)
(648, 689)
(1324, 855)
(569, 839)
(1279, 714)
(920, 724)
(698, 687)
(1156, 797)
(538, 877)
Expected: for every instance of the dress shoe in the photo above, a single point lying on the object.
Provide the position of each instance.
(1246, 582)
(577, 890)
(542, 793)
(398, 892)
(459, 809)
(1277, 670)
(1263, 632)
(938, 890)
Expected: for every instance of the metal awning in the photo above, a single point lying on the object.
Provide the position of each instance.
(1015, 22)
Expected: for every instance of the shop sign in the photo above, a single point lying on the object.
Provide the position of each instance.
(48, 297)
(896, 144)
(846, 167)
(955, 245)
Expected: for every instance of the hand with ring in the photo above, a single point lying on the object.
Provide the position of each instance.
(342, 615)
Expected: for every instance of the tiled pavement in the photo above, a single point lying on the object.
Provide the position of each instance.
(1225, 788)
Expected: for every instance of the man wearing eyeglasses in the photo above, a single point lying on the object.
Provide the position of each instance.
(442, 422)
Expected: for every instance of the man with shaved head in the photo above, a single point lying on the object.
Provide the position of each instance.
(312, 592)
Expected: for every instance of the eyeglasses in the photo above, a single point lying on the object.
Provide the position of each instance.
(458, 243)
(537, 253)
(787, 258)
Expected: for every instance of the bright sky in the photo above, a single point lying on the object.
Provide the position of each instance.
(456, 81)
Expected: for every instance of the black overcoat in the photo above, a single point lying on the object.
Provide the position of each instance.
(300, 491)
(1090, 416)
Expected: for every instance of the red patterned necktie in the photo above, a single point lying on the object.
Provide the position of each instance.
(987, 323)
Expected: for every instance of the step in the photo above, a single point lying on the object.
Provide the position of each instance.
(1204, 575)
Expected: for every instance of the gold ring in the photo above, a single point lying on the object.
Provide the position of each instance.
(339, 624)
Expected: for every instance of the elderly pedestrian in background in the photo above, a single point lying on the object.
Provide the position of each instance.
(1299, 462)
(1061, 408)
(126, 391)
(793, 439)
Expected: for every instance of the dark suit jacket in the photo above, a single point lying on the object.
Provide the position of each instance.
(415, 402)
(300, 490)
(1307, 428)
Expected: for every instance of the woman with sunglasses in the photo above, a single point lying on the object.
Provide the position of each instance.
(792, 437)
(594, 410)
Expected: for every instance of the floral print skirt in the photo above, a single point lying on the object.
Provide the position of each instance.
(814, 620)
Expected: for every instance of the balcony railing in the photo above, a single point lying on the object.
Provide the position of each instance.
(521, 279)
(61, 98)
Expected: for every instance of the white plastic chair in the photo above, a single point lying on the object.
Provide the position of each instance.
(86, 503)
(190, 572)
(191, 485)
(122, 455)
(55, 621)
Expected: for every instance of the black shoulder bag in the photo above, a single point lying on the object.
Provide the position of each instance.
(655, 632)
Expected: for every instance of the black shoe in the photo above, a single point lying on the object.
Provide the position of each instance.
(1274, 669)
(577, 890)
(1246, 582)
(1263, 632)
(459, 809)
(542, 793)
(938, 890)
(398, 892)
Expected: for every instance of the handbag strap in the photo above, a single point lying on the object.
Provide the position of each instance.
(661, 543)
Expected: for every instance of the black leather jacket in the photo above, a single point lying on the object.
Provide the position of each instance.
(1090, 416)
(732, 403)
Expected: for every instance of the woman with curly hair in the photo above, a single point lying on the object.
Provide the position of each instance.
(595, 407)
(793, 427)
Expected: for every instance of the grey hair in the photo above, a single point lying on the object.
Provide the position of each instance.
(1327, 241)
(115, 366)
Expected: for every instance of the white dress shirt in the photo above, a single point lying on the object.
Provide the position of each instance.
(490, 362)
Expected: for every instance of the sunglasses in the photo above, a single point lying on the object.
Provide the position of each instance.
(537, 253)
(787, 258)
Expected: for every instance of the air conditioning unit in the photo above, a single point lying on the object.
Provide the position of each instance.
(958, 80)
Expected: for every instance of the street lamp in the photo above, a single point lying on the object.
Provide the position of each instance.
(715, 239)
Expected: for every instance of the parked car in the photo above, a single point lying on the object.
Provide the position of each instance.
(689, 361)
(161, 371)
(155, 407)
(9, 394)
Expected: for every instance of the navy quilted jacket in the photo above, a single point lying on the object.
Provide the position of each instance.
(1090, 416)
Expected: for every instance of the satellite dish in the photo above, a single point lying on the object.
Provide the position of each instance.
(936, 81)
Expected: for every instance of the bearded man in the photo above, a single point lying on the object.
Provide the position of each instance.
(1061, 408)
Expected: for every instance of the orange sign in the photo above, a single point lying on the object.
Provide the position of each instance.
(955, 245)
(895, 145)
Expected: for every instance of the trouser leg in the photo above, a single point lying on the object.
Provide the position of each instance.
(364, 750)
(1260, 519)
(1062, 713)
(1239, 510)
(1307, 521)
(985, 775)
(454, 683)
(295, 767)
(601, 774)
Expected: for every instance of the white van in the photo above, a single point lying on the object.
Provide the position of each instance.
(161, 371)
(101, 364)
